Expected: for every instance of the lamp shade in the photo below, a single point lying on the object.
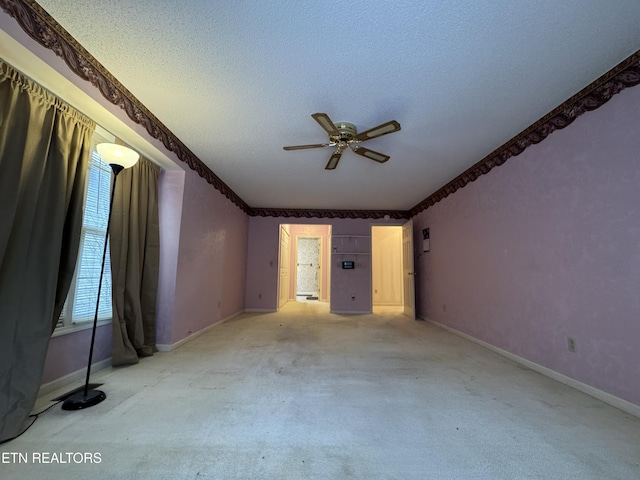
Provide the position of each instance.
(117, 155)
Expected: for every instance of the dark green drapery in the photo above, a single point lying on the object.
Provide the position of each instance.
(44, 153)
(135, 250)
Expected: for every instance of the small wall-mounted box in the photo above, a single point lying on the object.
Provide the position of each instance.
(348, 265)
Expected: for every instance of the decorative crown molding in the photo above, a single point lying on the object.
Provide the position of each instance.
(38, 24)
(313, 213)
(626, 74)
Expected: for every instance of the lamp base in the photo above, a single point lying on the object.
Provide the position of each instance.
(79, 400)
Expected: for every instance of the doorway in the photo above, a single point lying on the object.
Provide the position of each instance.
(392, 275)
(308, 268)
(386, 266)
(313, 276)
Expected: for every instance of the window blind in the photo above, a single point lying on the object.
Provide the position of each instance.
(80, 305)
(96, 215)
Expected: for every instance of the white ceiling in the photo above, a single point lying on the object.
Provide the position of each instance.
(238, 80)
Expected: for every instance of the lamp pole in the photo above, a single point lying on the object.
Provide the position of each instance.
(121, 158)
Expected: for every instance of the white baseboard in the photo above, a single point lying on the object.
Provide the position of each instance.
(179, 343)
(47, 388)
(624, 405)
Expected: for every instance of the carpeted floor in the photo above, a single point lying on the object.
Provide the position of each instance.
(303, 394)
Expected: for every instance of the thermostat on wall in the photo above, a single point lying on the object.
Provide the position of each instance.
(348, 265)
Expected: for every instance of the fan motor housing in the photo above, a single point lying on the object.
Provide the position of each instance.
(347, 130)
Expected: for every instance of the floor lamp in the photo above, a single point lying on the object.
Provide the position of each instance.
(118, 158)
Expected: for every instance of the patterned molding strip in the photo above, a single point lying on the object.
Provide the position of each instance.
(312, 213)
(626, 74)
(36, 22)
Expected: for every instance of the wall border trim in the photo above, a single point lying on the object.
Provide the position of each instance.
(38, 24)
(624, 75)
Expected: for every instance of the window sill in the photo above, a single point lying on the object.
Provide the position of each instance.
(77, 327)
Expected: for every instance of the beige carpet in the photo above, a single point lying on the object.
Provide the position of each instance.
(303, 394)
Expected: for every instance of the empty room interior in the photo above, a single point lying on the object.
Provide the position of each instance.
(291, 240)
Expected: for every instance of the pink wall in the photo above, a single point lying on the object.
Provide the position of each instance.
(547, 247)
(170, 199)
(70, 352)
(262, 264)
(212, 259)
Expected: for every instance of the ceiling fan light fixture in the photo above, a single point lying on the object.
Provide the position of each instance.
(345, 135)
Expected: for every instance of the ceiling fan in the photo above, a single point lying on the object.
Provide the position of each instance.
(344, 134)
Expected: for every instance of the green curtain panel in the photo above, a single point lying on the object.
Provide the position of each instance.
(44, 154)
(135, 253)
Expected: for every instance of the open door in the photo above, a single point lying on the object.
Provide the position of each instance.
(408, 276)
(283, 267)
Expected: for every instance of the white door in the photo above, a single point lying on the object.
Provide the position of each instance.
(409, 288)
(284, 263)
(386, 265)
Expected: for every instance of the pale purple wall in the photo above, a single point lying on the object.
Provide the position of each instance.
(170, 197)
(212, 259)
(262, 264)
(70, 352)
(548, 246)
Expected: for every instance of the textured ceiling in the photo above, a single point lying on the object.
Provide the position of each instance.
(236, 81)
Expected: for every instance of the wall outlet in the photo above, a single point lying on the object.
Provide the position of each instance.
(571, 344)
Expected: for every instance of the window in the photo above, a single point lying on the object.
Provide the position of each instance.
(80, 306)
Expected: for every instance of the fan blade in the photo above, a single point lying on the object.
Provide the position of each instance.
(378, 131)
(370, 154)
(333, 161)
(326, 123)
(302, 147)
